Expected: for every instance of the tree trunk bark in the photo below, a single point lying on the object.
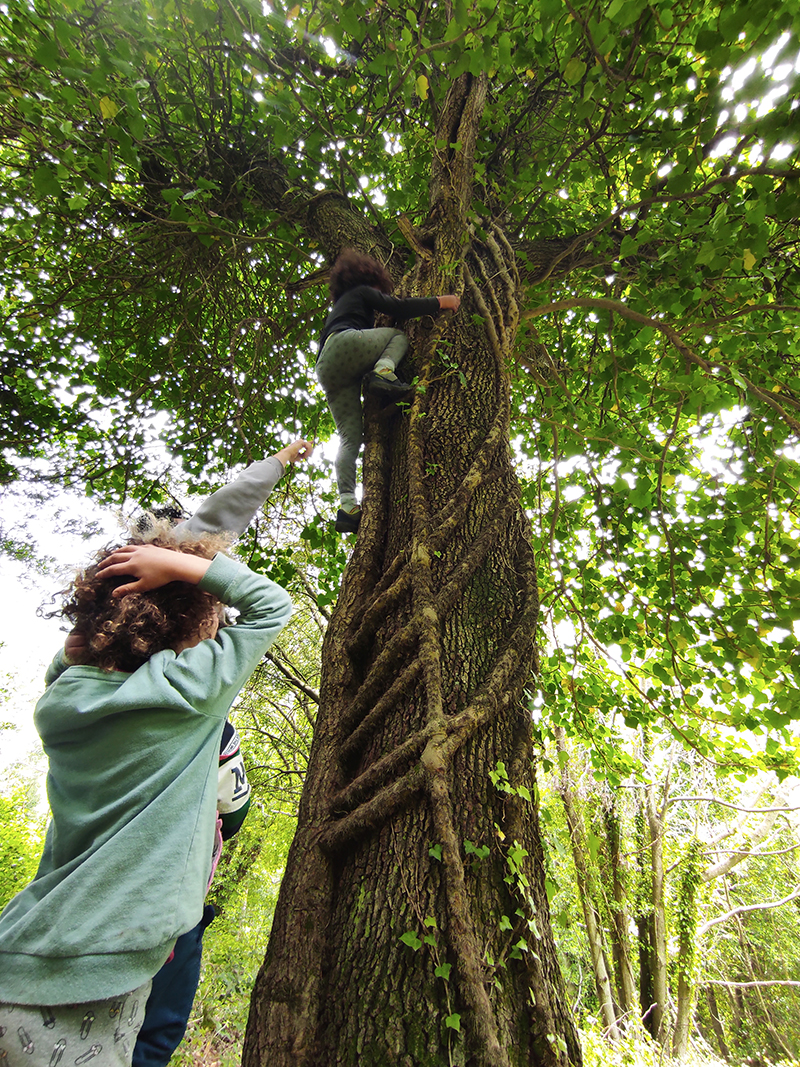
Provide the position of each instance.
(683, 1018)
(645, 926)
(655, 825)
(686, 922)
(594, 932)
(716, 1023)
(621, 943)
(395, 941)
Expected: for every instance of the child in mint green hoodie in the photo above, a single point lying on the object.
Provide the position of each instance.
(131, 724)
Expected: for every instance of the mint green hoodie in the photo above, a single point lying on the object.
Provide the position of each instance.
(132, 790)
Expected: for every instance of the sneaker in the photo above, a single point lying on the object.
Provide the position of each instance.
(347, 521)
(387, 388)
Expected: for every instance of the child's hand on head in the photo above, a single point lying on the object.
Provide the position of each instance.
(152, 567)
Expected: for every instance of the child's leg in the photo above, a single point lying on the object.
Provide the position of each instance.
(395, 346)
(344, 361)
(100, 1034)
(171, 997)
(349, 355)
(345, 405)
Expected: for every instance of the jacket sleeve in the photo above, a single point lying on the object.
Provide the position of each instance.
(413, 307)
(232, 508)
(210, 675)
(56, 668)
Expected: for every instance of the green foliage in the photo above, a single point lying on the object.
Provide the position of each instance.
(757, 945)
(20, 843)
(665, 479)
(246, 891)
(686, 909)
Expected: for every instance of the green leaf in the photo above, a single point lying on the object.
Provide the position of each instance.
(574, 70)
(108, 108)
(45, 182)
(411, 940)
(453, 1021)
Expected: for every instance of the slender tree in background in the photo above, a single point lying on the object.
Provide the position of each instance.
(176, 179)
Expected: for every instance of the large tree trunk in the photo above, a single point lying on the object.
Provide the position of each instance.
(391, 943)
(424, 665)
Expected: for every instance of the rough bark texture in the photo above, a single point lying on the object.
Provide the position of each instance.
(425, 661)
(424, 667)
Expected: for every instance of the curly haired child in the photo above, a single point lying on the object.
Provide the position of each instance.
(351, 348)
(169, 1005)
(131, 723)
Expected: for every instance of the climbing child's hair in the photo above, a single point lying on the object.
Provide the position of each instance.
(353, 268)
(122, 633)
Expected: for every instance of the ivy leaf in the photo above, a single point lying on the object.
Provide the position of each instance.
(410, 938)
(45, 182)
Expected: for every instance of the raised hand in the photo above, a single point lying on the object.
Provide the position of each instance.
(152, 567)
(297, 450)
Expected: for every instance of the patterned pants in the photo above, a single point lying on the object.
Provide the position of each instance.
(101, 1034)
(345, 358)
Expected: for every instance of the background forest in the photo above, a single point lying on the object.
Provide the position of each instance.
(729, 864)
(594, 493)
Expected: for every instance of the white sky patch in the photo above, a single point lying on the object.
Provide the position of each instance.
(28, 642)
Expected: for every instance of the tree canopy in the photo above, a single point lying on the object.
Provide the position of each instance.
(174, 177)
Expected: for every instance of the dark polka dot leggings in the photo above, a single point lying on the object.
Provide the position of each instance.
(345, 358)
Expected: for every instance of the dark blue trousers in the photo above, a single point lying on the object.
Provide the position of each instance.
(171, 997)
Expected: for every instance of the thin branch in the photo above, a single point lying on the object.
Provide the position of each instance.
(736, 807)
(749, 985)
(604, 304)
(298, 683)
(747, 908)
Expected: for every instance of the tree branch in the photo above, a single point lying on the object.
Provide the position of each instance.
(749, 985)
(744, 909)
(298, 683)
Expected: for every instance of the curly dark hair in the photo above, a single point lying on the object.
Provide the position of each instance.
(353, 268)
(122, 633)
